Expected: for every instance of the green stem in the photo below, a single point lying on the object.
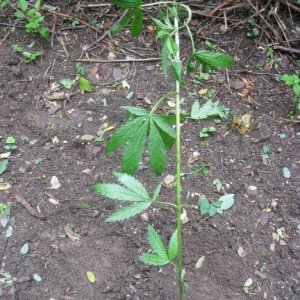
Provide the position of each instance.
(178, 171)
(161, 99)
(191, 38)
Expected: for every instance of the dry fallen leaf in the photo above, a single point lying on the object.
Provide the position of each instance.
(5, 155)
(200, 262)
(243, 123)
(202, 91)
(171, 104)
(184, 219)
(87, 137)
(70, 233)
(4, 186)
(241, 252)
(55, 184)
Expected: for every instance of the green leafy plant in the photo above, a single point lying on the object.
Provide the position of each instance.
(28, 57)
(212, 208)
(173, 18)
(33, 17)
(10, 143)
(293, 80)
(206, 131)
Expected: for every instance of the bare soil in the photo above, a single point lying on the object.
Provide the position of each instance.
(238, 245)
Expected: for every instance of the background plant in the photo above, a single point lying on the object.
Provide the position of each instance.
(293, 80)
(143, 125)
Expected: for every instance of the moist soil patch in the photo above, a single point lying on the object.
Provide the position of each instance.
(258, 238)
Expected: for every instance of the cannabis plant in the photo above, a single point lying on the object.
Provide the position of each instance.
(157, 130)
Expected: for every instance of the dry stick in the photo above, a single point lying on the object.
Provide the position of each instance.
(95, 5)
(291, 50)
(293, 6)
(266, 22)
(132, 60)
(220, 6)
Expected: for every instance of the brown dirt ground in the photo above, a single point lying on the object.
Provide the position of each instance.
(111, 250)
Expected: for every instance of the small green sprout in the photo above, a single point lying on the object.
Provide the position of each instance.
(206, 131)
(10, 144)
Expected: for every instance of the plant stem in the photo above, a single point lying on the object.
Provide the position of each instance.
(161, 99)
(178, 171)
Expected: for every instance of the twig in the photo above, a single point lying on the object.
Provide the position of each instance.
(286, 49)
(220, 6)
(132, 60)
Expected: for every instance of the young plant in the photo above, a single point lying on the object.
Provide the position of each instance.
(33, 17)
(173, 18)
(293, 80)
(28, 57)
(10, 144)
(206, 131)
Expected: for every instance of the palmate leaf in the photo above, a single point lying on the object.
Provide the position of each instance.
(133, 137)
(157, 152)
(132, 184)
(127, 3)
(129, 211)
(209, 110)
(213, 60)
(122, 23)
(118, 192)
(137, 22)
(134, 149)
(123, 134)
(156, 243)
(153, 259)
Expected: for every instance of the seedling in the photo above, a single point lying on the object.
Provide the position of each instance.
(212, 208)
(293, 80)
(10, 144)
(33, 17)
(159, 129)
(206, 131)
(28, 57)
(255, 32)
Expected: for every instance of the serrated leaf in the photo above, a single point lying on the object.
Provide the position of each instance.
(137, 111)
(24, 249)
(209, 110)
(156, 193)
(173, 246)
(118, 192)
(176, 66)
(67, 83)
(137, 22)
(127, 3)
(85, 85)
(129, 211)
(134, 149)
(91, 276)
(164, 126)
(213, 60)
(156, 243)
(133, 184)
(204, 206)
(3, 166)
(153, 259)
(157, 152)
(227, 201)
(121, 136)
(122, 23)
(165, 58)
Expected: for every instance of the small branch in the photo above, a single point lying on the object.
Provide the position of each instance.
(151, 59)
(286, 49)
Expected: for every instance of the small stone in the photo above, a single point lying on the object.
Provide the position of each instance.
(137, 276)
(90, 119)
(145, 217)
(252, 190)
(169, 179)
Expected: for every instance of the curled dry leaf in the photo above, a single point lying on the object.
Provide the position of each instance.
(4, 186)
(184, 219)
(28, 207)
(200, 262)
(70, 233)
